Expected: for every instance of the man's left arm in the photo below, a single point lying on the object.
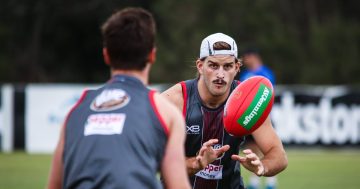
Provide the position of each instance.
(274, 160)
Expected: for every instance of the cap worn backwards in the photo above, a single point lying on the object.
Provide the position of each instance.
(207, 45)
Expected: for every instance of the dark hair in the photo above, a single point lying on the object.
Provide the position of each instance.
(250, 51)
(129, 36)
(220, 45)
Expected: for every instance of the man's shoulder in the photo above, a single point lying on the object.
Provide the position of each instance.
(180, 87)
(175, 95)
(173, 90)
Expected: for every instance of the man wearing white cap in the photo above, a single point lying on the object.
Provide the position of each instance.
(212, 154)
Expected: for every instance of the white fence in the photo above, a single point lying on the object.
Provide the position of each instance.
(304, 115)
(6, 118)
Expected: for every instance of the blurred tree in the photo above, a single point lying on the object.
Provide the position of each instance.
(54, 41)
(305, 42)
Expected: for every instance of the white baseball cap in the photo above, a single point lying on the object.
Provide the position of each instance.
(207, 45)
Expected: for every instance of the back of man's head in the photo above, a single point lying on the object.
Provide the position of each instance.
(251, 58)
(129, 37)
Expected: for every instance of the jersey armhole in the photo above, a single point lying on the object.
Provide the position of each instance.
(162, 122)
(75, 106)
(184, 93)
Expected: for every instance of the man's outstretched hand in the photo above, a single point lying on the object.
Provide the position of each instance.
(207, 154)
(251, 162)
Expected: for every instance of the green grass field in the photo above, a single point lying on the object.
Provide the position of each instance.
(320, 169)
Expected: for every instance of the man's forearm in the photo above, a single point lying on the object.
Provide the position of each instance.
(274, 162)
(192, 166)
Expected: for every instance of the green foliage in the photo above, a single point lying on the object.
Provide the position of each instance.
(304, 42)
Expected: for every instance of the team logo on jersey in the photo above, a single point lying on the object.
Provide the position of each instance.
(193, 130)
(218, 146)
(104, 124)
(110, 99)
(212, 172)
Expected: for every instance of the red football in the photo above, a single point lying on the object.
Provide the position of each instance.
(248, 106)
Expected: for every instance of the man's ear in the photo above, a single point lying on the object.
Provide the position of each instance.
(238, 64)
(199, 66)
(106, 56)
(152, 56)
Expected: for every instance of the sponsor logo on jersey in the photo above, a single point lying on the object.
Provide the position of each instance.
(212, 172)
(110, 99)
(104, 124)
(193, 130)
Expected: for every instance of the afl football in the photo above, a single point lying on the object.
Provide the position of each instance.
(248, 106)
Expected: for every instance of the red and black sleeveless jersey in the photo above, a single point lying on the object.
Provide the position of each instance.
(203, 124)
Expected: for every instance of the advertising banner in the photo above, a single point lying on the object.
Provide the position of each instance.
(309, 115)
(301, 115)
(46, 107)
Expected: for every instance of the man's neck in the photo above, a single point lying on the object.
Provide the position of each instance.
(142, 75)
(208, 99)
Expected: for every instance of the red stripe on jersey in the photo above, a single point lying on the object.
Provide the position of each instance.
(184, 92)
(162, 122)
(76, 105)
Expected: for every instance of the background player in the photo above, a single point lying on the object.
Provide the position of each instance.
(118, 136)
(209, 149)
(254, 66)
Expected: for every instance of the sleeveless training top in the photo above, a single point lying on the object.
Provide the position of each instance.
(202, 124)
(114, 138)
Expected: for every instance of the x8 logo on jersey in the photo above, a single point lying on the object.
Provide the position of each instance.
(193, 130)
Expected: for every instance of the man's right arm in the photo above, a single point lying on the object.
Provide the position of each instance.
(206, 154)
(175, 96)
(173, 164)
(56, 172)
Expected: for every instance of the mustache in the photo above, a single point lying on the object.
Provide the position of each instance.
(220, 81)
